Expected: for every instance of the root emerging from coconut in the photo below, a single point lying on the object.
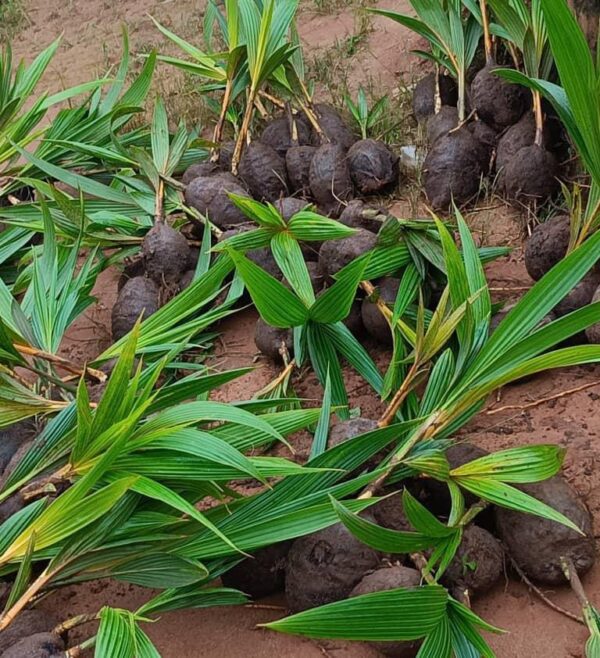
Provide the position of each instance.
(277, 135)
(395, 577)
(209, 196)
(497, 102)
(297, 161)
(272, 341)
(531, 175)
(325, 566)
(263, 171)
(453, 169)
(547, 246)
(166, 254)
(336, 254)
(329, 178)
(537, 544)
(375, 323)
(373, 167)
(262, 574)
(478, 563)
(138, 297)
(353, 216)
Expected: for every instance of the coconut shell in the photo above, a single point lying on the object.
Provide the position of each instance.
(187, 279)
(396, 577)
(593, 333)
(531, 175)
(262, 574)
(40, 645)
(375, 323)
(547, 246)
(389, 513)
(297, 161)
(329, 178)
(325, 566)
(453, 169)
(514, 139)
(333, 126)
(424, 95)
(497, 102)
(263, 257)
(132, 267)
(353, 321)
(269, 340)
(537, 544)
(277, 135)
(200, 169)
(373, 167)
(209, 196)
(166, 254)
(336, 254)
(580, 296)
(478, 563)
(11, 506)
(28, 622)
(263, 171)
(290, 206)
(441, 123)
(484, 134)
(139, 296)
(226, 155)
(11, 440)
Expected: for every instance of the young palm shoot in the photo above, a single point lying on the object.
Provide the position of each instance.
(366, 118)
(266, 32)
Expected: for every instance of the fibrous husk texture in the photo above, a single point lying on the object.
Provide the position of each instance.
(325, 566)
(209, 196)
(166, 254)
(537, 544)
(329, 178)
(424, 95)
(138, 297)
(263, 171)
(373, 166)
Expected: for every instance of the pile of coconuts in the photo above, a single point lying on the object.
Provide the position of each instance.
(498, 139)
(546, 247)
(332, 564)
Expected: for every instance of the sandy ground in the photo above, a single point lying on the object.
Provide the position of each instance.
(91, 38)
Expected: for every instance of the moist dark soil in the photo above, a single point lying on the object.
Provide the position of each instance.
(441, 123)
(40, 645)
(262, 574)
(270, 340)
(497, 102)
(375, 324)
(200, 169)
(547, 245)
(395, 577)
(263, 170)
(537, 544)
(531, 175)
(478, 563)
(138, 297)
(580, 296)
(329, 177)
(166, 254)
(424, 95)
(209, 196)
(297, 160)
(373, 167)
(333, 126)
(593, 333)
(336, 254)
(29, 622)
(453, 169)
(277, 135)
(325, 567)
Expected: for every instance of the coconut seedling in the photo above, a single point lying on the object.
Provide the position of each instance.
(462, 372)
(365, 117)
(457, 160)
(524, 27)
